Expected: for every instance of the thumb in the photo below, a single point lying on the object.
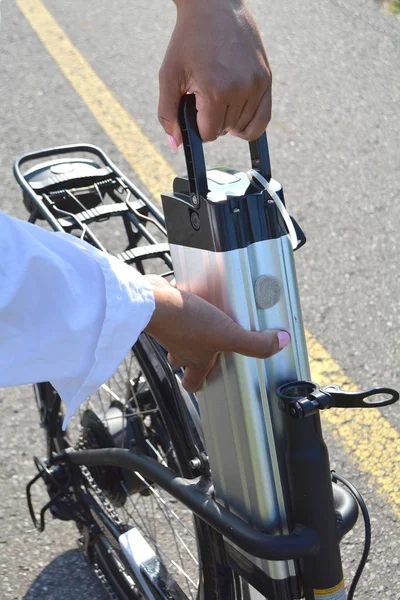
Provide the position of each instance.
(168, 104)
(258, 344)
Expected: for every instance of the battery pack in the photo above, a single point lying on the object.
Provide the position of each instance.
(230, 245)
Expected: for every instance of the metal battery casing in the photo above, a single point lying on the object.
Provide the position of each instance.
(243, 424)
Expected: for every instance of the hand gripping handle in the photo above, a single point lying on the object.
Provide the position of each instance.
(194, 155)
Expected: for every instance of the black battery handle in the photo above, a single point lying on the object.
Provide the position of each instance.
(193, 147)
(259, 154)
(194, 155)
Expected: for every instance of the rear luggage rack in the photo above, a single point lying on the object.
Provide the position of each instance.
(74, 195)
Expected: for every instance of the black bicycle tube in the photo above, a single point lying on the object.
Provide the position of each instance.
(313, 502)
(302, 541)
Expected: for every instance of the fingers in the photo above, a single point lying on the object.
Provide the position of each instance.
(194, 376)
(247, 120)
(173, 361)
(257, 344)
(247, 115)
(254, 119)
(171, 92)
(232, 116)
(249, 343)
(210, 118)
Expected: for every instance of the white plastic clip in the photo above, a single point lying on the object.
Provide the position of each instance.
(280, 206)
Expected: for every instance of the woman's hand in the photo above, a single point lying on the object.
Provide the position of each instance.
(194, 332)
(216, 52)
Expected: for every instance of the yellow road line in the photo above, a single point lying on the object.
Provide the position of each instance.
(110, 114)
(365, 434)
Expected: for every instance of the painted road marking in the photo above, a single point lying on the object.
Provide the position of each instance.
(109, 113)
(365, 435)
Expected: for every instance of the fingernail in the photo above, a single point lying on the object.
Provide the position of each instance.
(231, 132)
(173, 144)
(283, 339)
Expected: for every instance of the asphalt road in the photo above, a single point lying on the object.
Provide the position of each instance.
(334, 142)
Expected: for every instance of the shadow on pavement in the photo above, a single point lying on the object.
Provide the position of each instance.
(67, 577)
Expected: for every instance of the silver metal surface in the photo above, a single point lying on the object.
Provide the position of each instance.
(241, 418)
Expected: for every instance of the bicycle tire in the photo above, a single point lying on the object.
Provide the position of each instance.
(102, 502)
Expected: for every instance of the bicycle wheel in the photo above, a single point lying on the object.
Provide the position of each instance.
(109, 501)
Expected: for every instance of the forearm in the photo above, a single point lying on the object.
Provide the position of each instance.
(68, 312)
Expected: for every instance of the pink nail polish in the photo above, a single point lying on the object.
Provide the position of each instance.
(283, 339)
(173, 144)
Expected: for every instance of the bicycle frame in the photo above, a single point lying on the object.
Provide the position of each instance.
(287, 545)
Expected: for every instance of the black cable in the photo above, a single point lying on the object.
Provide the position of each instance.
(367, 525)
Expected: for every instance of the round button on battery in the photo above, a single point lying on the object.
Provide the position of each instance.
(267, 291)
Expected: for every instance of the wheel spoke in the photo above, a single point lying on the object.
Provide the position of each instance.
(109, 391)
(160, 550)
(161, 499)
(165, 527)
(164, 508)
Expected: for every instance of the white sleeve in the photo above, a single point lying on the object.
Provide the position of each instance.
(68, 312)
